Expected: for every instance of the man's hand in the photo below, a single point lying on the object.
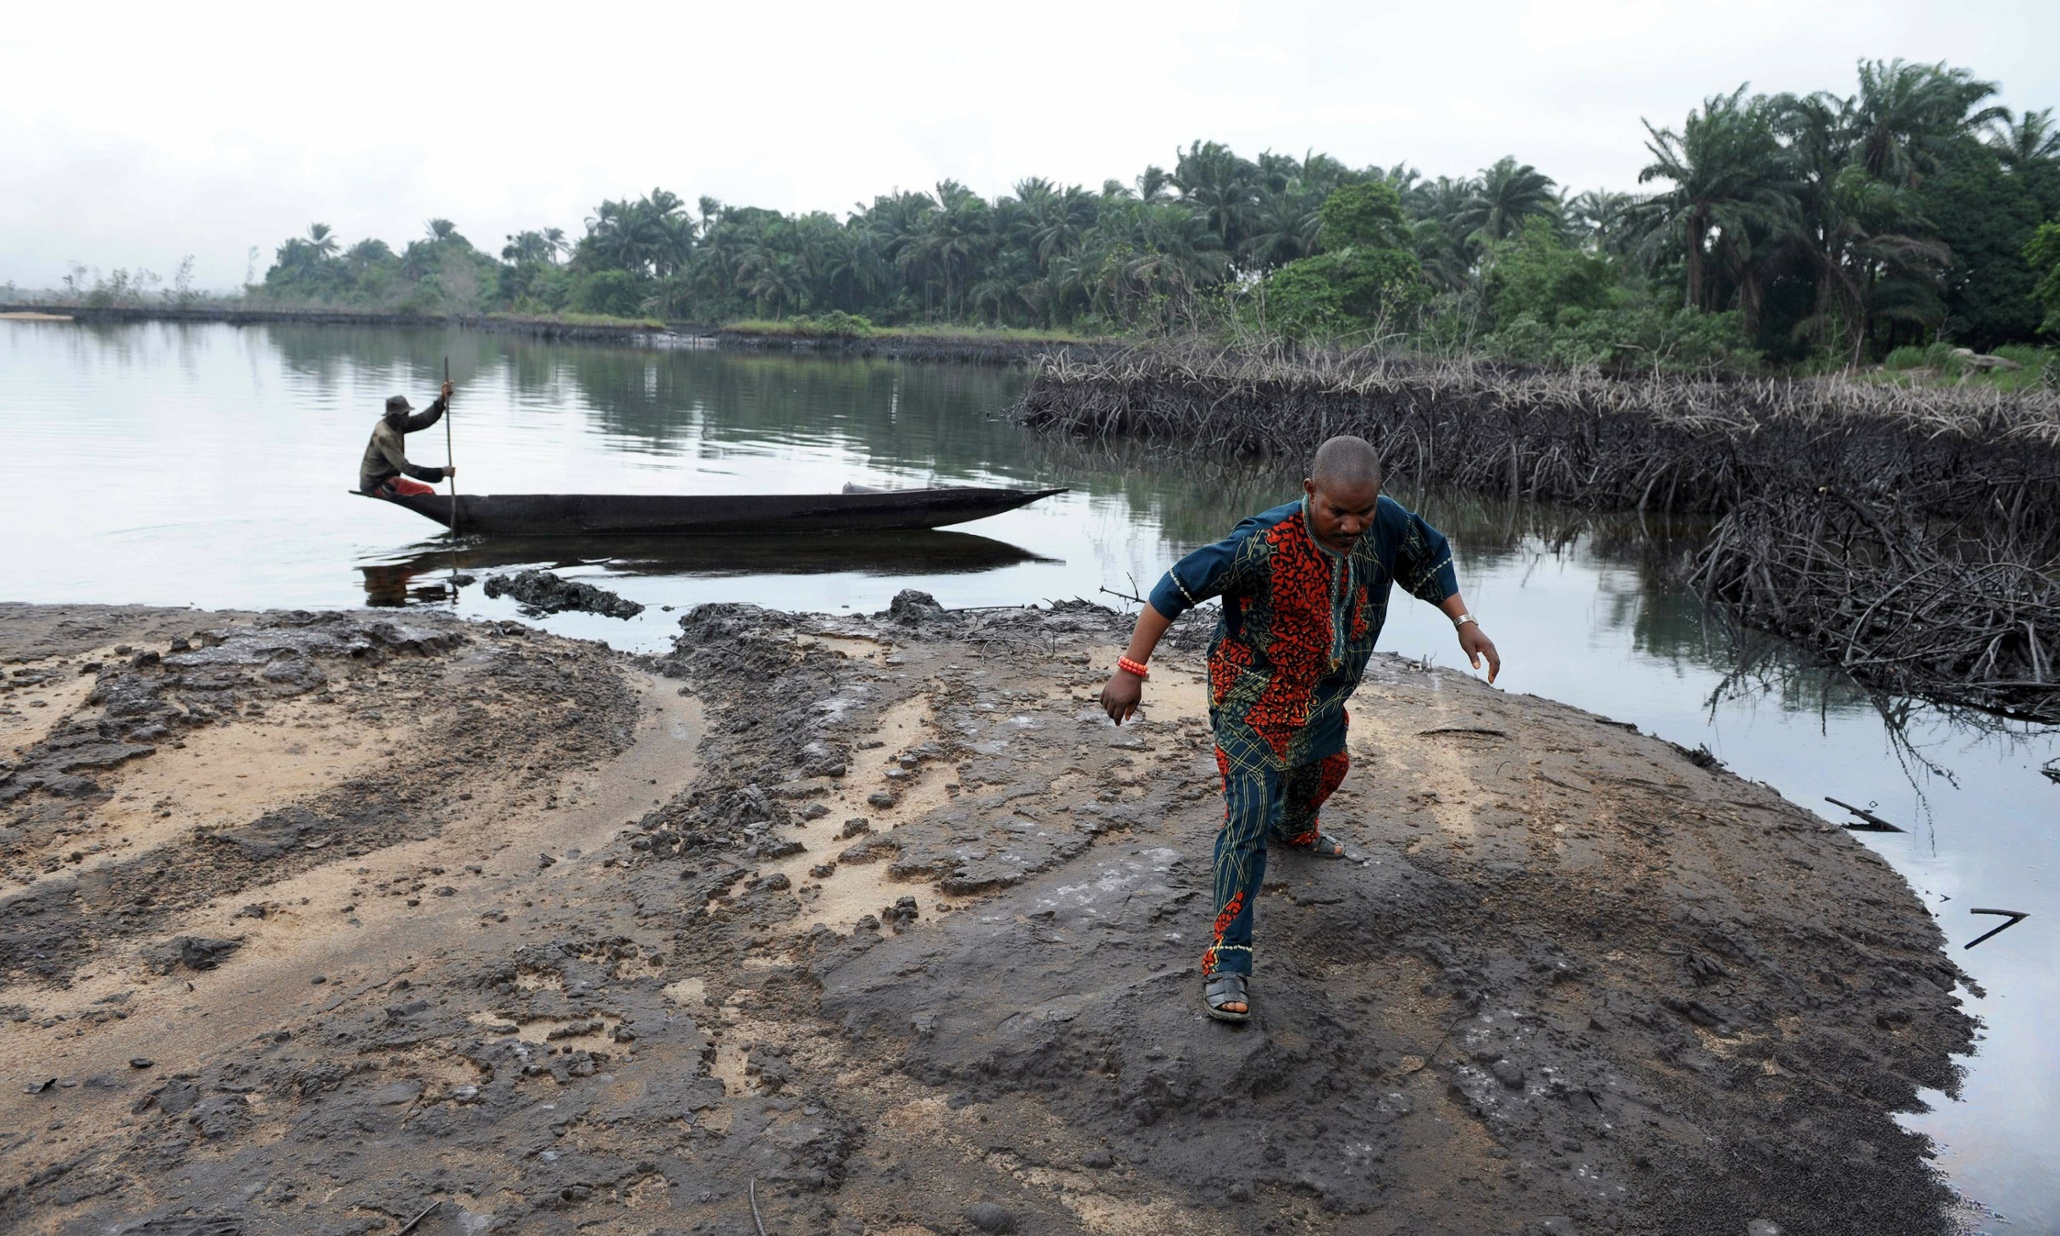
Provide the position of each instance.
(1475, 643)
(447, 388)
(450, 472)
(1122, 696)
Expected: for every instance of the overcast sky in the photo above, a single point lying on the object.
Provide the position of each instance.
(131, 135)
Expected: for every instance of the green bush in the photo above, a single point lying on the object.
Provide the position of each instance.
(1632, 336)
(1909, 356)
(1365, 215)
(2028, 355)
(615, 293)
(836, 323)
(1535, 274)
(1342, 293)
(2044, 255)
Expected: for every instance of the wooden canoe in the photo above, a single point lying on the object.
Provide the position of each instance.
(695, 515)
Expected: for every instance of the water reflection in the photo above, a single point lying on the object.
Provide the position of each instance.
(670, 402)
(880, 553)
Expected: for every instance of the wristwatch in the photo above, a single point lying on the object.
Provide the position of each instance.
(1463, 619)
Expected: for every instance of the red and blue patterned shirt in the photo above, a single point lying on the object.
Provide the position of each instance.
(1298, 624)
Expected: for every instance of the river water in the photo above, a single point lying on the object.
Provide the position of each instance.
(209, 466)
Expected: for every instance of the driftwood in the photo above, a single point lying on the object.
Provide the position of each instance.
(1910, 534)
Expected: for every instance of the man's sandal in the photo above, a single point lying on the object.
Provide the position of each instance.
(1225, 989)
(1322, 845)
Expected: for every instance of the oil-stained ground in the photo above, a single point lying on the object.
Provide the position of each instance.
(314, 923)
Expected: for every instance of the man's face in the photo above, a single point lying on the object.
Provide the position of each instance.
(1341, 514)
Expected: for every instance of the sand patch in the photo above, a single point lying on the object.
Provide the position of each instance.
(29, 710)
(856, 647)
(1173, 696)
(731, 1068)
(227, 775)
(1376, 738)
(853, 890)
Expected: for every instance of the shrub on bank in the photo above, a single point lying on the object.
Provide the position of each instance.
(1626, 336)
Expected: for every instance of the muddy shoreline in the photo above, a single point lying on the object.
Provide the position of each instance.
(311, 921)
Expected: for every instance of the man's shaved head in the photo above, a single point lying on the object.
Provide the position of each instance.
(1346, 463)
(1344, 491)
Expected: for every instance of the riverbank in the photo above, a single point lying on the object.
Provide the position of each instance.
(880, 919)
(1909, 535)
(925, 344)
(964, 345)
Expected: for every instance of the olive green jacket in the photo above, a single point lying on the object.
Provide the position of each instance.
(386, 454)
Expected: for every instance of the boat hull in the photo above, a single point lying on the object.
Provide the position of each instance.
(699, 515)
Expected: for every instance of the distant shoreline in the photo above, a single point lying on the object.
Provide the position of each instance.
(970, 348)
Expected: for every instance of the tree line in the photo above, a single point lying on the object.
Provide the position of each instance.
(1773, 228)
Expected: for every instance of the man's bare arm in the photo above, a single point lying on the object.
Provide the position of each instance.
(1473, 641)
(1125, 690)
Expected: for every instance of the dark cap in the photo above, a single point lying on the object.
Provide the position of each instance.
(398, 403)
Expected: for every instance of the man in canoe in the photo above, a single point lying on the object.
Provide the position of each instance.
(380, 474)
(1305, 591)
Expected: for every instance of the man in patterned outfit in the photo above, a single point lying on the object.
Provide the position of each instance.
(1305, 591)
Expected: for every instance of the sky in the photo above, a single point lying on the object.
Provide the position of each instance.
(132, 135)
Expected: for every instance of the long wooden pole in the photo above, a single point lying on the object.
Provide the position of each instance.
(447, 455)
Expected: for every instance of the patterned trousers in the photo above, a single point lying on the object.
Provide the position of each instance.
(1258, 805)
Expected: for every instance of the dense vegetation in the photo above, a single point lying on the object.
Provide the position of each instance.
(1816, 228)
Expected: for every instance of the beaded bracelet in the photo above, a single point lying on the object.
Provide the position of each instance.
(1133, 667)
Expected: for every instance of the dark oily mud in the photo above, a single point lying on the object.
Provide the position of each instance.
(542, 592)
(910, 948)
(73, 881)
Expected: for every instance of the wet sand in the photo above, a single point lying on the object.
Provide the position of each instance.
(880, 915)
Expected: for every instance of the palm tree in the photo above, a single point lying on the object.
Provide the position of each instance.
(1053, 222)
(321, 241)
(856, 272)
(946, 241)
(541, 245)
(1872, 264)
(650, 236)
(1602, 218)
(1731, 181)
(2032, 139)
(769, 277)
(1905, 114)
(1508, 194)
(442, 229)
(1219, 185)
(1283, 227)
(1447, 250)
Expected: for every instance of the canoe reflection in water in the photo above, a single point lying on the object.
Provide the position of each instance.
(913, 552)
